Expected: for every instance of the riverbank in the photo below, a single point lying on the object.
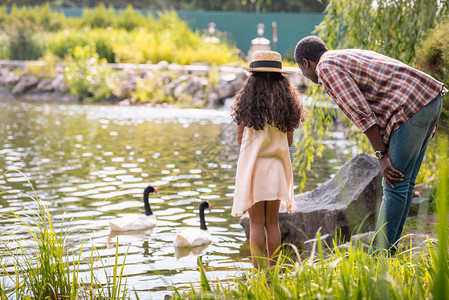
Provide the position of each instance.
(155, 84)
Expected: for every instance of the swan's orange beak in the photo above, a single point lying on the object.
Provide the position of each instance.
(156, 191)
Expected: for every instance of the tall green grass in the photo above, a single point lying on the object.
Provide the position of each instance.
(348, 271)
(43, 266)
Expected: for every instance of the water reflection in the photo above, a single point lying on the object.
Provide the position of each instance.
(90, 165)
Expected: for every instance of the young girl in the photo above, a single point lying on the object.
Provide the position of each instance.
(266, 110)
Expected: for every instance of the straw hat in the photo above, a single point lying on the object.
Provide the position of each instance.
(266, 61)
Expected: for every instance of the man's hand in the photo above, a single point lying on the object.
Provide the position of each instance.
(389, 172)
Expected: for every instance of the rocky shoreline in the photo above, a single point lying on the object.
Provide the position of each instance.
(192, 86)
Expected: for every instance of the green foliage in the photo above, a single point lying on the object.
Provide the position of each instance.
(129, 19)
(98, 17)
(332, 272)
(391, 27)
(45, 70)
(433, 58)
(151, 91)
(126, 37)
(441, 286)
(43, 266)
(65, 41)
(48, 19)
(40, 16)
(3, 14)
(225, 5)
(4, 49)
(87, 75)
(22, 40)
(104, 48)
(144, 45)
(308, 146)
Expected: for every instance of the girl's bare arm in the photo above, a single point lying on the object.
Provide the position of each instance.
(290, 137)
(240, 133)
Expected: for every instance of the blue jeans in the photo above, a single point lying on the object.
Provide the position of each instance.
(407, 147)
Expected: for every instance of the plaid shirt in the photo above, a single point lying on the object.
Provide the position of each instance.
(371, 88)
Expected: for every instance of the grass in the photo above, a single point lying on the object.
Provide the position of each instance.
(341, 272)
(42, 266)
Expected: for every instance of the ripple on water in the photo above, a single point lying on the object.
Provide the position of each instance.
(182, 184)
(100, 203)
(121, 206)
(188, 193)
(80, 214)
(68, 189)
(209, 197)
(110, 195)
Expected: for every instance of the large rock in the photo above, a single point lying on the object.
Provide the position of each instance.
(8, 78)
(127, 82)
(45, 85)
(26, 82)
(346, 203)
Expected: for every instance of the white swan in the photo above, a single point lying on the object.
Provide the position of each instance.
(195, 237)
(137, 222)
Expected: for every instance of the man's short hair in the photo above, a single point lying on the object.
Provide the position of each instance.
(311, 48)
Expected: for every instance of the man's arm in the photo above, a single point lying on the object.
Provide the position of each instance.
(388, 171)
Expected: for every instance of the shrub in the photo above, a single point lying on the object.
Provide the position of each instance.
(87, 75)
(151, 91)
(23, 41)
(98, 17)
(48, 19)
(47, 70)
(130, 19)
(24, 13)
(64, 42)
(104, 48)
(127, 37)
(3, 14)
(4, 51)
(433, 58)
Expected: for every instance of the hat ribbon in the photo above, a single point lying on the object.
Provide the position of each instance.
(266, 64)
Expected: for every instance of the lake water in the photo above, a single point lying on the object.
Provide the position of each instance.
(90, 163)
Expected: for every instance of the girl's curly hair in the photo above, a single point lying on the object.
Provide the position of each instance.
(268, 98)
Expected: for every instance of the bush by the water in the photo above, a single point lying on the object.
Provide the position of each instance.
(87, 75)
(20, 40)
(126, 36)
(433, 58)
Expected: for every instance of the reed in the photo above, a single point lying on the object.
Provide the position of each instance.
(37, 263)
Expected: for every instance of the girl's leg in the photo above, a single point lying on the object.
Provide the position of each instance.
(256, 232)
(272, 229)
